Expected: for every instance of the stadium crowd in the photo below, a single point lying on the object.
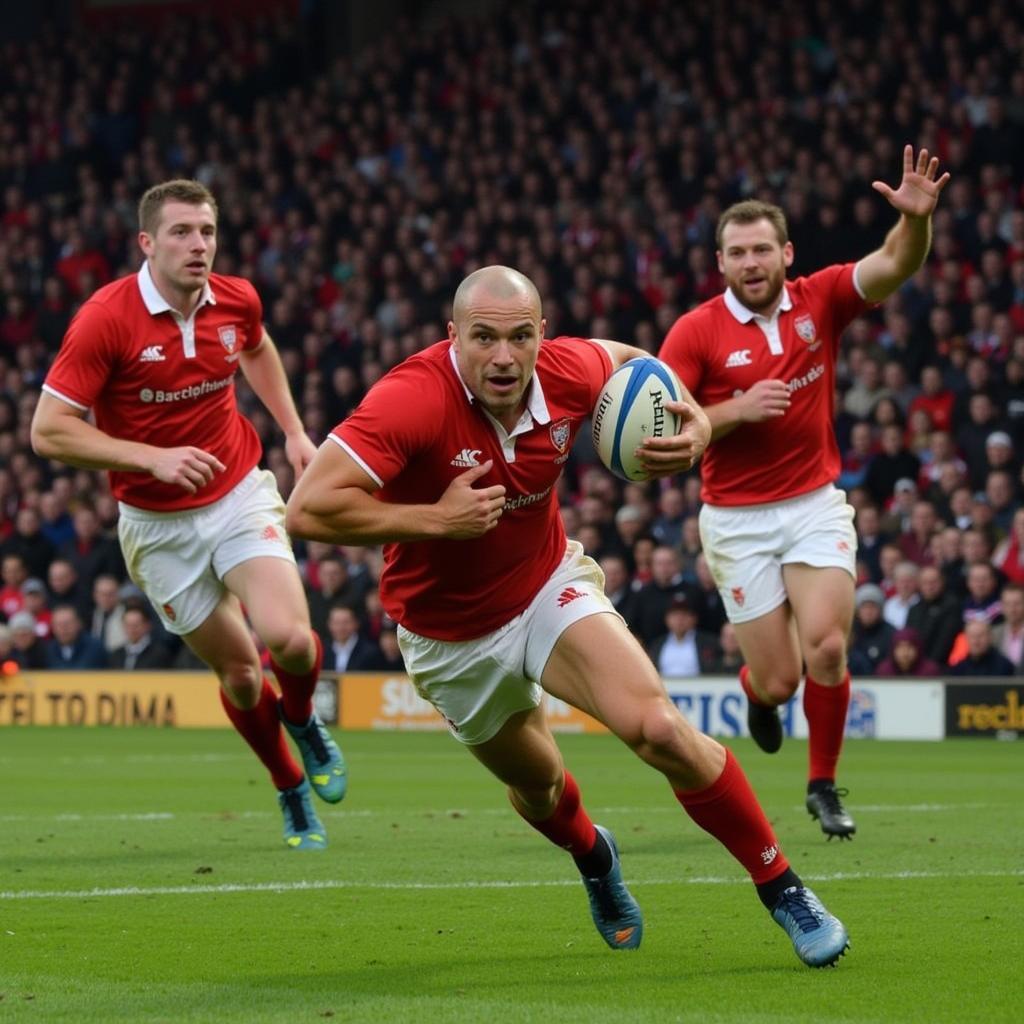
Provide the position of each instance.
(592, 146)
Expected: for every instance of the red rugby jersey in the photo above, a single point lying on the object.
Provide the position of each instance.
(720, 349)
(153, 377)
(418, 428)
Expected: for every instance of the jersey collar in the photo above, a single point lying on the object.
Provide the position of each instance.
(536, 405)
(156, 303)
(744, 315)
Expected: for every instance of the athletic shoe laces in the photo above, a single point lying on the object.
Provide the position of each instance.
(800, 906)
(314, 738)
(830, 797)
(296, 811)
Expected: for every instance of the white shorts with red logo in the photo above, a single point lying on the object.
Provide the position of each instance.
(746, 547)
(477, 685)
(179, 559)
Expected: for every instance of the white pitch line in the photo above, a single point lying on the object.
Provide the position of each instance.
(450, 811)
(284, 887)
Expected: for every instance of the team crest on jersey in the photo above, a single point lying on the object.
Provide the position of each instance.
(806, 330)
(228, 337)
(560, 434)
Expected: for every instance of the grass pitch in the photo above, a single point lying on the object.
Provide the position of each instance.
(143, 879)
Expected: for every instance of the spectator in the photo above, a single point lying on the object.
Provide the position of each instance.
(982, 658)
(107, 620)
(983, 601)
(892, 463)
(140, 650)
(870, 539)
(857, 457)
(667, 527)
(653, 598)
(916, 543)
(346, 649)
(66, 588)
(682, 652)
(935, 398)
(336, 587)
(898, 606)
(55, 521)
(907, 657)
(13, 573)
(90, 552)
(27, 649)
(28, 541)
(390, 656)
(1008, 636)
(71, 647)
(34, 596)
(871, 637)
(937, 617)
(1008, 556)
(730, 657)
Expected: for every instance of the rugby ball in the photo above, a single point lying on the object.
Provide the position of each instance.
(630, 408)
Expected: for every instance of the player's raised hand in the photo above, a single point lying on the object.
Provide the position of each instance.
(299, 451)
(468, 511)
(188, 468)
(919, 190)
(766, 400)
(665, 456)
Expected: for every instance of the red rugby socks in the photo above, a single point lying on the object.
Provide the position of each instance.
(728, 810)
(260, 727)
(569, 825)
(825, 708)
(748, 690)
(297, 690)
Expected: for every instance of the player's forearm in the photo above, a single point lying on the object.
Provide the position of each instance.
(724, 417)
(73, 441)
(901, 255)
(265, 373)
(352, 516)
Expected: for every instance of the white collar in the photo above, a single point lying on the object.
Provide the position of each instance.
(156, 303)
(535, 403)
(744, 315)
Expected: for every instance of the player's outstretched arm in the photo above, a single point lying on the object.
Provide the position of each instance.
(334, 502)
(880, 273)
(60, 431)
(265, 373)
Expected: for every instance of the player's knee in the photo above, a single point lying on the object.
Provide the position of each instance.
(661, 733)
(535, 798)
(780, 685)
(242, 682)
(290, 645)
(828, 655)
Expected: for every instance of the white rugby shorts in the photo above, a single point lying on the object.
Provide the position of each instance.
(477, 685)
(179, 559)
(747, 546)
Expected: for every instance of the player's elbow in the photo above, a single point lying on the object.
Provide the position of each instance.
(42, 439)
(297, 521)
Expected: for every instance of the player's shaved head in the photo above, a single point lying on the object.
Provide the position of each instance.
(496, 282)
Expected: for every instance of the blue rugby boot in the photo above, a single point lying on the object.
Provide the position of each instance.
(615, 912)
(818, 938)
(321, 756)
(303, 830)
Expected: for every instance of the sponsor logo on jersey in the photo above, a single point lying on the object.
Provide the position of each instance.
(228, 336)
(796, 383)
(205, 387)
(560, 434)
(741, 357)
(466, 458)
(152, 354)
(567, 595)
(525, 499)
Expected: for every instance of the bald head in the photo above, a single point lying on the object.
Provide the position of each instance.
(496, 282)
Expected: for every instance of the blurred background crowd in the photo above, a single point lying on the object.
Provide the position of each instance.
(591, 144)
